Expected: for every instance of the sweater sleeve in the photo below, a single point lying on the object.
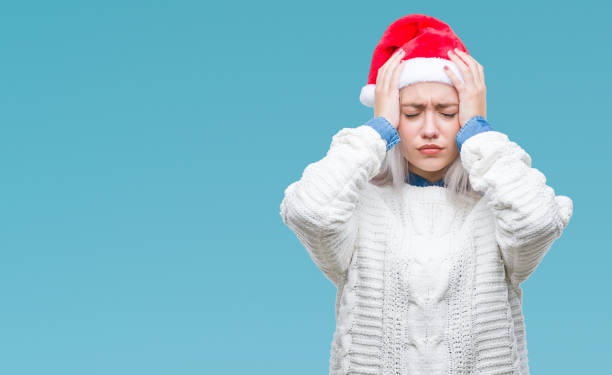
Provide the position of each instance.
(320, 207)
(475, 125)
(529, 217)
(386, 130)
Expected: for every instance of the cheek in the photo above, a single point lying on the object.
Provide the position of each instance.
(410, 138)
(407, 132)
(456, 127)
(452, 132)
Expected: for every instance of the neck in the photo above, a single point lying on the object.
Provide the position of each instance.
(418, 180)
(432, 177)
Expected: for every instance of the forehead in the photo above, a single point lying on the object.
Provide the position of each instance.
(424, 92)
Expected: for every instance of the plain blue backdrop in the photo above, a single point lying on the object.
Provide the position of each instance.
(146, 146)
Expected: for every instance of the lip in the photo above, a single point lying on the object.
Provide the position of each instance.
(429, 145)
(430, 150)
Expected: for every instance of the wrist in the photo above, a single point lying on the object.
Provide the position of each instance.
(465, 120)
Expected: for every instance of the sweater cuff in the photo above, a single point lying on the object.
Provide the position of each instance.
(475, 125)
(386, 130)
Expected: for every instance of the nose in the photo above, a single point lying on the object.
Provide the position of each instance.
(430, 130)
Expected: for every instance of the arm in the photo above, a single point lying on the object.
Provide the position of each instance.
(320, 207)
(529, 217)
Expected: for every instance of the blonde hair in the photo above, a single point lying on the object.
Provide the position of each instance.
(394, 171)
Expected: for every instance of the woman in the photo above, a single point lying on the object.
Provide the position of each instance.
(425, 218)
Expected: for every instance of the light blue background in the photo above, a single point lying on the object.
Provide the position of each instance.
(146, 145)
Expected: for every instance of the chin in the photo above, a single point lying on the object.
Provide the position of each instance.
(434, 166)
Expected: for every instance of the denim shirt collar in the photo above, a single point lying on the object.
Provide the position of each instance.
(415, 179)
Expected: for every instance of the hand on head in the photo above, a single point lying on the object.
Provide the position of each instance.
(386, 97)
(472, 91)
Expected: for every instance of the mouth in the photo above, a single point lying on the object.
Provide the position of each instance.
(430, 149)
(429, 145)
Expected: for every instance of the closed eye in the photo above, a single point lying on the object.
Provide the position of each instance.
(449, 115)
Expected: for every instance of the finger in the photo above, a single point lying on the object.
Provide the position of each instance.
(477, 67)
(389, 67)
(454, 79)
(396, 74)
(399, 53)
(463, 67)
(471, 62)
(396, 66)
(468, 76)
(380, 76)
(481, 73)
(394, 57)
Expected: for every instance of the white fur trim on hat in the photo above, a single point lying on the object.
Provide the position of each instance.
(418, 69)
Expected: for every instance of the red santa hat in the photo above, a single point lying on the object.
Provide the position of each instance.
(426, 41)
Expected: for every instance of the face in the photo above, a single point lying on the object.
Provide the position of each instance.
(429, 115)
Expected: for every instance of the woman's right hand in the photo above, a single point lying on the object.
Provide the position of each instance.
(386, 93)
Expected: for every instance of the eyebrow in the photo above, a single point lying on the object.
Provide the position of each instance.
(421, 106)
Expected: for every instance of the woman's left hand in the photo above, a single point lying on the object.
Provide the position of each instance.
(472, 92)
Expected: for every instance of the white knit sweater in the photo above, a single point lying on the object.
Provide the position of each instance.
(428, 282)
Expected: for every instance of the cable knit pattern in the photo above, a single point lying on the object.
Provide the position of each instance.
(530, 217)
(321, 206)
(428, 282)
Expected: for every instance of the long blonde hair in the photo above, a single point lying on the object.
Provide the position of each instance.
(395, 170)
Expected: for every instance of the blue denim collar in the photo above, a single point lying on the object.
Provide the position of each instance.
(415, 179)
